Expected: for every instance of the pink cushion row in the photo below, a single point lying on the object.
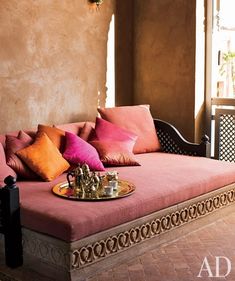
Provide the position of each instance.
(70, 127)
(18, 140)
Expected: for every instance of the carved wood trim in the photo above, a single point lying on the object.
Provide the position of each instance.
(114, 244)
(46, 251)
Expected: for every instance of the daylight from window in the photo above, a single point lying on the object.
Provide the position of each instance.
(225, 21)
(110, 75)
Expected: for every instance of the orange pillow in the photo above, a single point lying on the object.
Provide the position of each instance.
(138, 120)
(57, 136)
(44, 158)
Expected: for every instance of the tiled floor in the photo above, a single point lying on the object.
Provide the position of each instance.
(182, 260)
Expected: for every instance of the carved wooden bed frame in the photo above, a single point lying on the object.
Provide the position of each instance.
(77, 260)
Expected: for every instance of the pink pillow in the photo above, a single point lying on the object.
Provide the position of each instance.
(74, 128)
(79, 151)
(105, 130)
(87, 131)
(13, 144)
(4, 169)
(113, 144)
(116, 153)
(138, 120)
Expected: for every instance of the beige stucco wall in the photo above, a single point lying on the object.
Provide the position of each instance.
(52, 61)
(164, 61)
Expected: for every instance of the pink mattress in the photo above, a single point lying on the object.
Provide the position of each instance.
(162, 180)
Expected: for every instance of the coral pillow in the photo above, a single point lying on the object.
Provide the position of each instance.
(79, 151)
(55, 135)
(4, 169)
(116, 153)
(44, 158)
(138, 120)
(13, 144)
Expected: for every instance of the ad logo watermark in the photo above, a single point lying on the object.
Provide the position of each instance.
(206, 270)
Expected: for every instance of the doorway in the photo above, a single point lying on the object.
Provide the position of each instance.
(220, 72)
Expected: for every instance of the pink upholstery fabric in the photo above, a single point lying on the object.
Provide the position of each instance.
(2, 140)
(161, 180)
(4, 169)
(79, 151)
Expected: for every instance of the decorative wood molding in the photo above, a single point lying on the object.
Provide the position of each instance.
(46, 251)
(114, 244)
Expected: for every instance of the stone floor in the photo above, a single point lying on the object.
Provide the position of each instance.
(182, 259)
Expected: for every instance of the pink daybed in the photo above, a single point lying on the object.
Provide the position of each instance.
(70, 240)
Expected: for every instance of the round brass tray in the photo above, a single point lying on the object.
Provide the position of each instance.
(124, 189)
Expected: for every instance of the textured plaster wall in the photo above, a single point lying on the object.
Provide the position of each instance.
(52, 61)
(164, 61)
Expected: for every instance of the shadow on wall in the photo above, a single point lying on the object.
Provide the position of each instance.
(200, 123)
(124, 52)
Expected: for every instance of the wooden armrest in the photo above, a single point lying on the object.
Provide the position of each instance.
(173, 142)
(10, 224)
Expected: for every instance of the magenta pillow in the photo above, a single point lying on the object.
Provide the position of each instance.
(79, 151)
(105, 130)
(13, 144)
(4, 169)
(138, 120)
